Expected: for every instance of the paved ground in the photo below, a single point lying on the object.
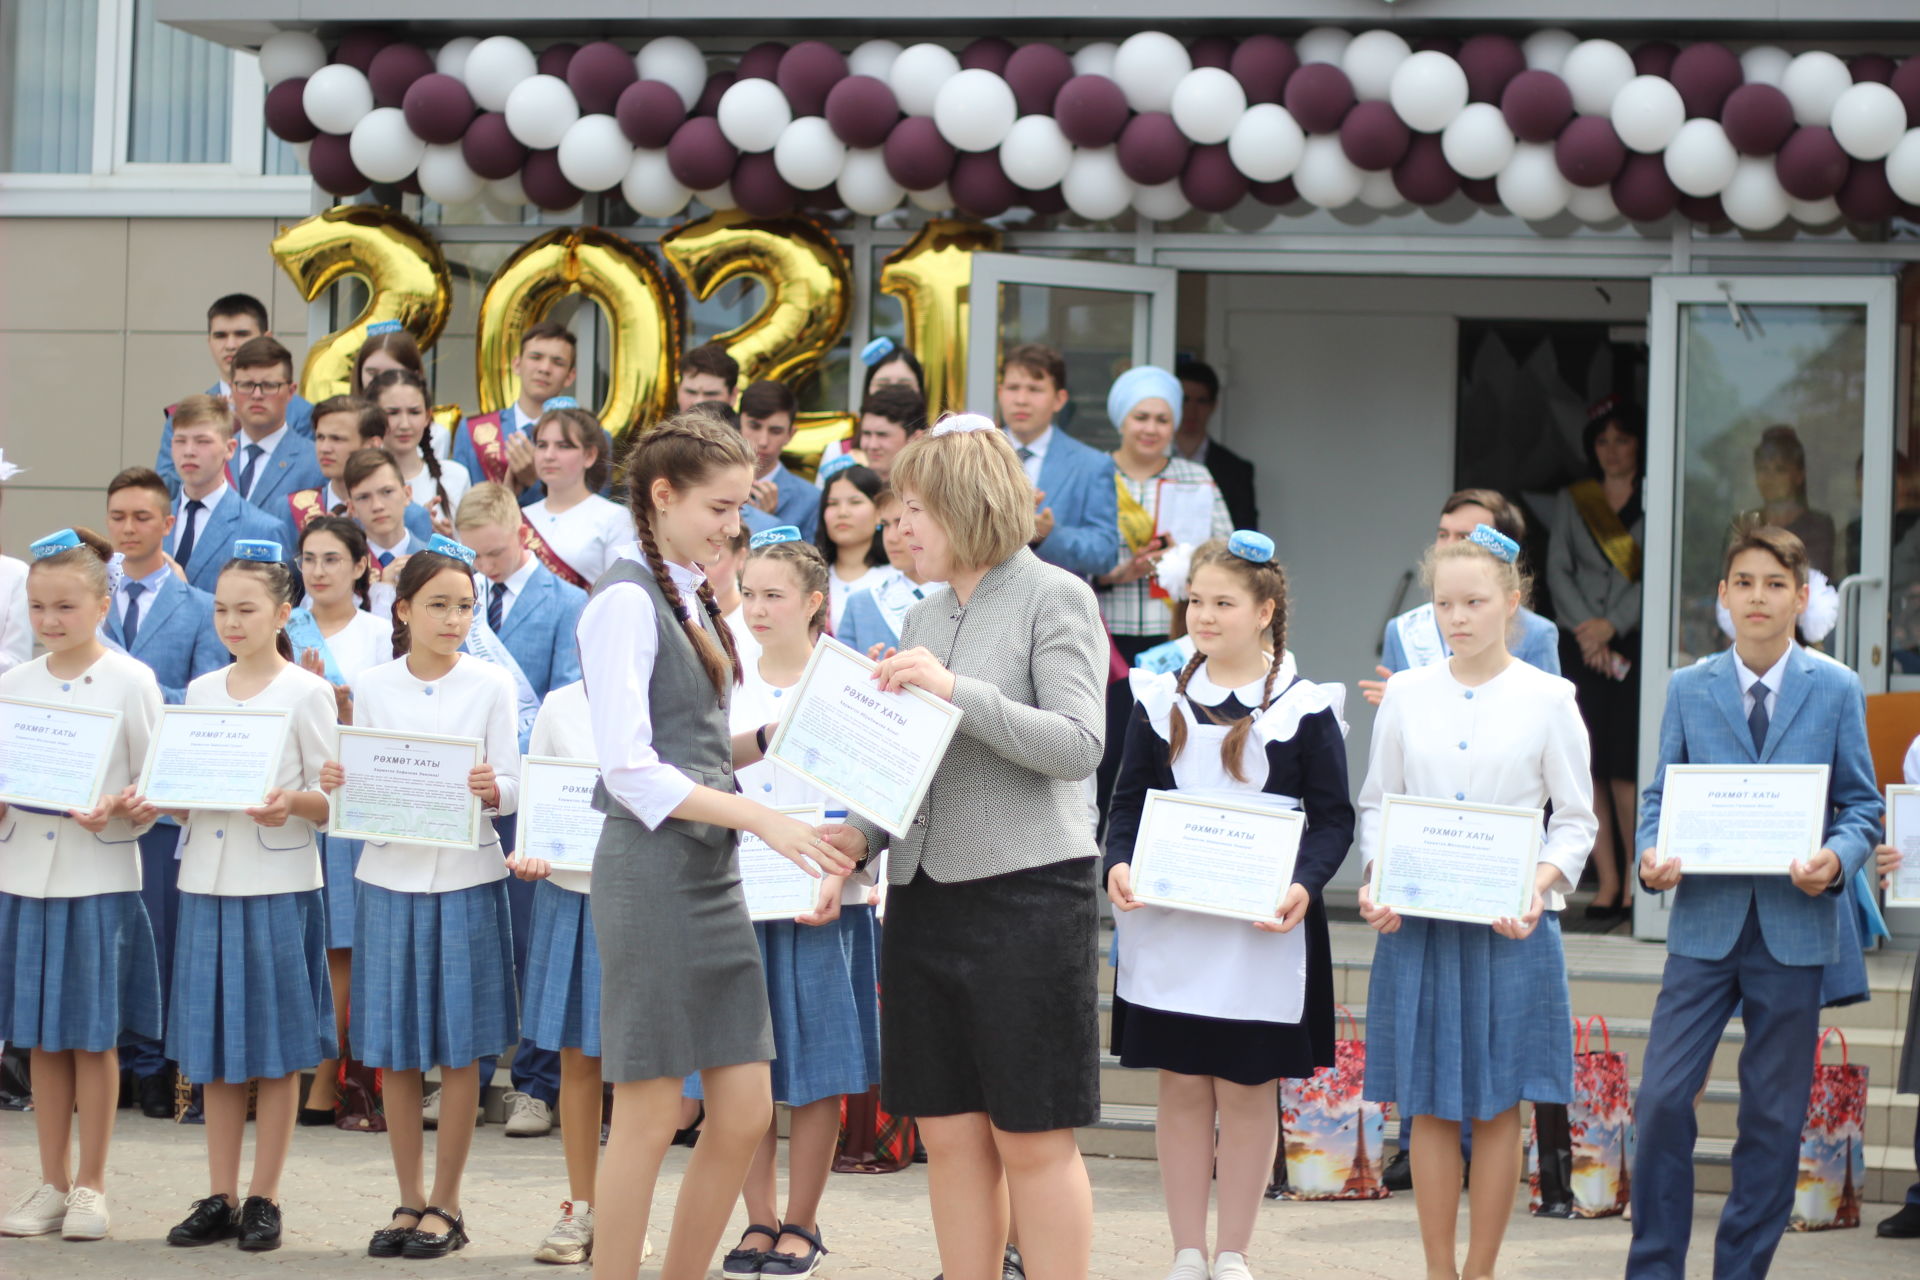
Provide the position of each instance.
(340, 1188)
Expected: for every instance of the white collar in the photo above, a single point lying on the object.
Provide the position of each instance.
(209, 502)
(1039, 446)
(516, 582)
(331, 497)
(397, 550)
(779, 469)
(1202, 688)
(268, 442)
(1772, 679)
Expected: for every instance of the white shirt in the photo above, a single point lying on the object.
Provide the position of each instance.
(16, 633)
(399, 549)
(515, 584)
(474, 700)
(150, 587)
(587, 535)
(1036, 453)
(452, 474)
(839, 592)
(182, 516)
(1774, 677)
(744, 641)
(331, 498)
(366, 641)
(266, 444)
(564, 729)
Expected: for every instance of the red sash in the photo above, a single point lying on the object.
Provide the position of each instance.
(304, 506)
(489, 445)
(531, 539)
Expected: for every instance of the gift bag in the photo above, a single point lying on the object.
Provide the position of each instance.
(872, 1139)
(1578, 1155)
(1833, 1157)
(1334, 1137)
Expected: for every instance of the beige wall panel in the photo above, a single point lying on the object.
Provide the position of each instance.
(182, 264)
(161, 368)
(26, 514)
(68, 385)
(62, 274)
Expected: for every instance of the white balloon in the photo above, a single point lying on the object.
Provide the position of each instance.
(1903, 167)
(1322, 44)
(1267, 143)
(1163, 201)
(809, 154)
(445, 177)
(383, 147)
(451, 58)
(1478, 144)
(866, 187)
(1378, 192)
(1095, 59)
(650, 186)
(933, 199)
(1148, 66)
(719, 199)
(674, 61)
(1325, 177)
(1531, 185)
(595, 153)
(1813, 83)
(1207, 103)
(1754, 198)
(1814, 213)
(1370, 59)
(494, 67)
(1094, 187)
(336, 98)
(974, 109)
(540, 110)
(1036, 154)
(1764, 64)
(918, 73)
(1596, 70)
(507, 192)
(1547, 49)
(1700, 160)
(1868, 119)
(1593, 204)
(287, 54)
(1429, 89)
(753, 114)
(1647, 112)
(872, 58)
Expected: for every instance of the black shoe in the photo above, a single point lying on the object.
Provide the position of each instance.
(1277, 1189)
(1012, 1268)
(690, 1135)
(425, 1244)
(196, 1112)
(387, 1242)
(1398, 1175)
(314, 1117)
(743, 1263)
(259, 1225)
(1904, 1225)
(156, 1095)
(211, 1221)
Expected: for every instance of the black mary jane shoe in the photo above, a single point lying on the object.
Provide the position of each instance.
(788, 1266)
(388, 1242)
(259, 1225)
(742, 1263)
(426, 1244)
(211, 1221)
(315, 1117)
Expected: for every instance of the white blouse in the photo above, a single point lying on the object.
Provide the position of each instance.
(452, 474)
(228, 854)
(1516, 740)
(44, 855)
(563, 729)
(474, 700)
(838, 591)
(587, 535)
(366, 641)
(16, 635)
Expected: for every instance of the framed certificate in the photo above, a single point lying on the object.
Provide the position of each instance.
(1742, 819)
(1903, 833)
(776, 888)
(1215, 856)
(213, 757)
(557, 819)
(1452, 861)
(53, 756)
(410, 787)
(876, 751)
(1183, 510)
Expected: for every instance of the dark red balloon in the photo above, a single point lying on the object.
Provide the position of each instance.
(1423, 175)
(759, 189)
(410, 184)
(1278, 194)
(598, 75)
(1654, 58)
(1537, 105)
(1091, 111)
(1866, 195)
(988, 53)
(1262, 64)
(438, 108)
(649, 111)
(1643, 191)
(807, 72)
(1705, 210)
(287, 114)
(1045, 203)
(1705, 74)
(490, 149)
(554, 61)
(393, 71)
(1152, 149)
(1212, 51)
(1491, 62)
(862, 110)
(1906, 83)
(1758, 119)
(1318, 95)
(357, 47)
(1035, 73)
(762, 62)
(1874, 67)
(545, 185)
(1812, 165)
(331, 162)
(917, 157)
(1374, 136)
(717, 85)
(1589, 152)
(1481, 190)
(981, 187)
(1210, 182)
(700, 156)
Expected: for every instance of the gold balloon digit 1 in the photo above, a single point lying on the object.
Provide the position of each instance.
(931, 274)
(643, 320)
(404, 270)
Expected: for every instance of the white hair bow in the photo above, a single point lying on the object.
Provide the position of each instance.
(963, 422)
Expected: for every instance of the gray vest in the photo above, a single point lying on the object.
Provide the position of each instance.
(690, 728)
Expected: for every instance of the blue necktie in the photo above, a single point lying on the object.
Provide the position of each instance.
(1757, 718)
(385, 558)
(497, 606)
(246, 473)
(130, 624)
(183, 549)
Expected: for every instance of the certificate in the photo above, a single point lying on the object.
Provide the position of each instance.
(53, 756)
(213, 757)
(557, 819)
(1183, 510)
(410, 787)
(1903, 833)
(1470, 862)
(1215, 856)
(777, 889)
(876, 751)
(1742, 819)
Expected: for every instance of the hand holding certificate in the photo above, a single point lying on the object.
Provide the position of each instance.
(1214, 857)
(1758, 819)
(54, 757)
(221, 758)
(557, 819)
(1183, 511)
(1903, 833)
(1474, 863)
(409, 787)
(778, 888)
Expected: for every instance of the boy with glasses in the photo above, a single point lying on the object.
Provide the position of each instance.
(232, 321)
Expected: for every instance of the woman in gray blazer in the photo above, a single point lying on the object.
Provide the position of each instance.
(989, 1030)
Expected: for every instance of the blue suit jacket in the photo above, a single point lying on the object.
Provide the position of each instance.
(539, 631)
(232, 519)
(1078, 482)
(291, 468)
(798, 505)
(299, 417)
(175, 636)
(1820, 717)
(1538, 646)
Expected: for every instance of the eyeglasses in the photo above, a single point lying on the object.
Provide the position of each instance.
(441, 610)
(331, 561)
(260, 388)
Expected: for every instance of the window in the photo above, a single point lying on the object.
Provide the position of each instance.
(180, 98)
(49, 49)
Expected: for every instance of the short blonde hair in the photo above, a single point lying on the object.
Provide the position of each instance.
(200, 407)
(487, 503)
(972, 483)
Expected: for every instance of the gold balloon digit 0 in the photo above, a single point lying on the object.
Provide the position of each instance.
(404, 270)
(930, 274)
(643, 319)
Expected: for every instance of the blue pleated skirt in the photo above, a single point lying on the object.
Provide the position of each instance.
(251, 997)
(78, 972)
(433, 977)
(563, 972)
(1462, 1023)
(339, 858)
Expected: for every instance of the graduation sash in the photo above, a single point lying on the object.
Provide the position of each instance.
(1136, 522)
(303, 632)
(530, 539)
(1603, 522)
(484, 643)
(1420, 636)
(488, 433)
(305, 505)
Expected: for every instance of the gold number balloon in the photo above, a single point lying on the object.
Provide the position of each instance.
(404, 270)
(643, 318)
(931, 274)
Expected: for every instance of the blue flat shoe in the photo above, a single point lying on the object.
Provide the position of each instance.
(743, 1263)
(789, 1266)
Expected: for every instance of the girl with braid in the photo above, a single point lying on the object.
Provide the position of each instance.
(1223, 1008)
(660, 668)
(435, 485)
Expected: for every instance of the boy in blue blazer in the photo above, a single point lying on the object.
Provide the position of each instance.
(273, 459)
(209, 517)
(1754, 941)
(1078, 527)
(767, 413)
(232, 321)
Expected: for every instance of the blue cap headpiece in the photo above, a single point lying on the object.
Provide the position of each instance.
(380, 327)
(443, 545)
(258, 549)
(1251, 545)
(835, 465)
(54, 543)
(768, 537)
(877, 351)
(1504, 549)
(558, 402)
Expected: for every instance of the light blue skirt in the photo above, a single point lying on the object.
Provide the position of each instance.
(563, 972)
(433, 977)
(340, 858)
(1462, 1023)
(251, 998)
(78, 972)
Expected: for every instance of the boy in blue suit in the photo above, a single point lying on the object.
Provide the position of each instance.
(378, 501)
(1756, 941)
(499, 446)
(1078, 526)
(209, 517)
(767, 413)
(232, 322)
(273, 460)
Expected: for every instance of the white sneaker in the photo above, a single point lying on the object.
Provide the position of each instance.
(1231, 1266)
(527, 1116)
(86, 1217)
(430, 1112)
(37, 1213)
(1188, 1264)
(571, 1239)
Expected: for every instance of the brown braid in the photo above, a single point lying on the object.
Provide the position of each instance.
(1267, 582)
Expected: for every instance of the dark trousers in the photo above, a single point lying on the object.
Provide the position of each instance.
(1119, 712)
(536, 1071)
(1780, 1007)
(1913, 1192)
(160, 891)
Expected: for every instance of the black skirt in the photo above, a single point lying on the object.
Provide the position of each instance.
(1610, 707)
(988, 998)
